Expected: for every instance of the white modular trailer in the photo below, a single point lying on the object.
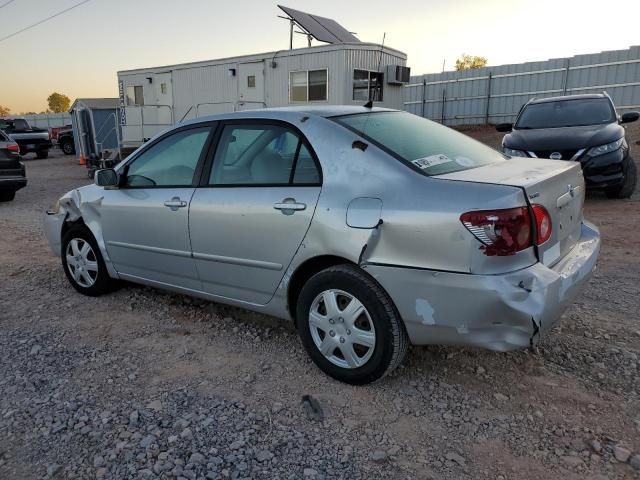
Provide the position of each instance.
(151, 99)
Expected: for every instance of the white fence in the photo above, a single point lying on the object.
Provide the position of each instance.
(46, 120)
(495, 94)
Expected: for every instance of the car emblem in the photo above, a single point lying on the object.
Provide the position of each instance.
(555, 156)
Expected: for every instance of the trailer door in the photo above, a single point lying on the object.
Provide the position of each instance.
(251, 85)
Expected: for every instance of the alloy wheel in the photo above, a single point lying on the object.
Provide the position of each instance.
(342, 329)
(82, 262)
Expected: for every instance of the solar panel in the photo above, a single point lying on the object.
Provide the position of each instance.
(321, 28)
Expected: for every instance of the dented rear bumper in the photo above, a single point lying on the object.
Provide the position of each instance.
(498, 312)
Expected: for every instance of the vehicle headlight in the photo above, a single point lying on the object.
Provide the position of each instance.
(513, 153)
(55, 208)
(606, 148)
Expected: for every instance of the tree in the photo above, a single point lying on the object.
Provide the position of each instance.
(468, 62)
(4, 111)
(58, 102)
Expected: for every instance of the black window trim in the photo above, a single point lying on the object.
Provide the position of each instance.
(213, 127)
(213, 147)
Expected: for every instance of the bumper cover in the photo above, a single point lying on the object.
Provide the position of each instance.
(498, 312)
(12, 184)
(53, 230)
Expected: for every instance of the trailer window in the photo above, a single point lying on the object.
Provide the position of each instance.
(367, 85)
(251, 81)
(308, 86)
(134, 95)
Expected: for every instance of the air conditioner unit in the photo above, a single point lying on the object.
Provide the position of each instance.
(397, 74)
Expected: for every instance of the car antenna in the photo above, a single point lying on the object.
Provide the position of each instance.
(369, 103)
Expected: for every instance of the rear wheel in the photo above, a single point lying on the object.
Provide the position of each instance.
(42, 154)
(83, 263)
(7, 196)
(629, 183)
(349, 325)
(67, 147)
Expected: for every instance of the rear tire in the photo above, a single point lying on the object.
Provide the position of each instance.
(67, 147)
(83, 263)
(346, 314)
(42, 154)
(7, 196)
(629, 183)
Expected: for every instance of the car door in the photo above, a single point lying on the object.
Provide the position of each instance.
(146, 221)
(253, 209)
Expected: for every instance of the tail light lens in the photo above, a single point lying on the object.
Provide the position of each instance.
(543, 224)
(13, 147)
(502, 232)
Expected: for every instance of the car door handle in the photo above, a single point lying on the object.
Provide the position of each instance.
(175, 203)
(289, 205)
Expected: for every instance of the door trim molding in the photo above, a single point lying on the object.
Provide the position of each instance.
(146, 248)
(245, 262)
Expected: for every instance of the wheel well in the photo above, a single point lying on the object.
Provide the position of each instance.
(68, 224)
(304, 272)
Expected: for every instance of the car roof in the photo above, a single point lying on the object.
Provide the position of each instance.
(567, 97)
(286, 113)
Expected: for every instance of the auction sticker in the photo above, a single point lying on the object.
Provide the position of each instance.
(431, 161)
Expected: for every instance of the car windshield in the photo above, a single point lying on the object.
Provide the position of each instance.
(425, 145)
(566, 113)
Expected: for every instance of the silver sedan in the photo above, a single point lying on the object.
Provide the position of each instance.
(370, 229)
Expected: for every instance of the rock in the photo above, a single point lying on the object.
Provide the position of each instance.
(310, 472)
(264, 455)
(312, 408)
(621, 453)
(101, 472)
(379, 456)
(236, 445)
(186, 434)
(454, 457)
(98, 461)
(500, 397)
(156, 405)
(276, 407)
(134, 418)
(572, 461)
(635, 461)
(197, 458)
(480, 370)
(595, 445)
(147, 441)
(53, 469)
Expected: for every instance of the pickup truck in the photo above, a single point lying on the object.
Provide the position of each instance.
(12, 171)
(30, 139)
(66, 141)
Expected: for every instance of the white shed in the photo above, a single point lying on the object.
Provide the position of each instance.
(343, 73)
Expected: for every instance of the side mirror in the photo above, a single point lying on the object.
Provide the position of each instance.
(107, 177)
(504, 127)
(629, 117)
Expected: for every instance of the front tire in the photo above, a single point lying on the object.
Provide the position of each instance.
(349, 325)
(68, 148)
(83, 263)
(629, 183)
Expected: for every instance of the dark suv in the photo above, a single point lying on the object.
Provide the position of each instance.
(582, 128)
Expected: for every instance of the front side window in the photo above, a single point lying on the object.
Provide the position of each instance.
(367, 85)
(566, 113)
(428, 146)
(308, 86)
(170, 162)
(262, 155)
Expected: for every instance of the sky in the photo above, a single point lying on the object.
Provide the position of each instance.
(79, 52)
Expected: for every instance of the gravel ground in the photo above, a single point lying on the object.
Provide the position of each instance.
(147, 384)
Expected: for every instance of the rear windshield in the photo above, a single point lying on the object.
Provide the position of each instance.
(425, 145)
(566, 113)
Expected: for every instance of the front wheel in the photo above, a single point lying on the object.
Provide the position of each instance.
(67, 148)
(349, 325)
(83, 263)
(629, 183)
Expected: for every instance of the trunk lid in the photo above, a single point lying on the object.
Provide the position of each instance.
(556, 185)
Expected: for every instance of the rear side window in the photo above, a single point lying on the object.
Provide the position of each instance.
(425, 145)
(566, 113)
(262, 155)
(20, 124)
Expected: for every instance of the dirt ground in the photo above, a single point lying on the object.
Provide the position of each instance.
(84, 382)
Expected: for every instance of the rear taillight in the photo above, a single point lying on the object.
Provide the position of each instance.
(13, 147)
(543, 224)
(502, 232)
